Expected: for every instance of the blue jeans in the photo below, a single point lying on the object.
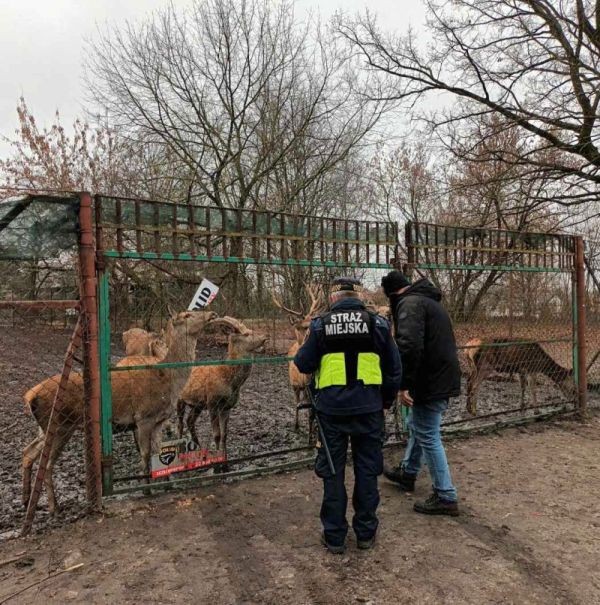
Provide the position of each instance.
(425, 441)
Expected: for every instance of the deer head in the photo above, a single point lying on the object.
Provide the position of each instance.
(183, 329)
(242, 340)
(299, 319)
(158, 347)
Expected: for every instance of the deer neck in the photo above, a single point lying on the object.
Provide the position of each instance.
(181, 347)
(237, 373)
(561, 377)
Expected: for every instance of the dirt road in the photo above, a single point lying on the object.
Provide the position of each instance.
(530, 533)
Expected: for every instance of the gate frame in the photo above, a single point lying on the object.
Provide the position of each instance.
(575, 248)
(343, 246)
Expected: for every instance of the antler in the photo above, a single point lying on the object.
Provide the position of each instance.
(278, 303)
(315, 292)
(235, 324)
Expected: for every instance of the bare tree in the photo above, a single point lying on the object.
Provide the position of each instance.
(260, 108)
(87, 156)
(446, 186)
(536, 63)
(237, 89)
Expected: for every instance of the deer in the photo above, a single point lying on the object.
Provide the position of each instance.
(141, 342)
(527, 359)
(300, 322)
(217, 388)
(142, 400)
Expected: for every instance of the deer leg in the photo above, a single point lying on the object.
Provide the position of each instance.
(145, 430)
(30, 454)
(533, 389)
(193, 416)
(180, 415)
(297, 396)
(136, 439)
(216, 428)
(223, 422)
(474, 380)
(523, 380)
(61, 438)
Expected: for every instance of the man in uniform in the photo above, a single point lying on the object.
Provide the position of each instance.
(425, 338)
(357, 371)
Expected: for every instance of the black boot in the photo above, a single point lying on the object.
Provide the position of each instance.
(436, 506)
(404, 480)
(366, 544)
(336, 549)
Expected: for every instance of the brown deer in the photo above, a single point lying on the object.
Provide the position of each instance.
(217, 388)
(527, 359)
(141, 399)
(301, 322)
(141, 342)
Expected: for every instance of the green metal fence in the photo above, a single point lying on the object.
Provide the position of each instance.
(259, 253)
(254, 252)
(519, 312)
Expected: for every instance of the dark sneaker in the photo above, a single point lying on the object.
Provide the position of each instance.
(434, 505)
(336, 550)
(366, 544)
(405, 481)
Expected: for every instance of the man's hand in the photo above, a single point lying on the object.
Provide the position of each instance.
(406, 399)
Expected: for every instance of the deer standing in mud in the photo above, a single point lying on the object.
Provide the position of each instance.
(527, 359)
(141, 399)
(217, 388)
(300, 321)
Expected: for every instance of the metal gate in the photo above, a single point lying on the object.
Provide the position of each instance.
(153, 253)
(518, 304)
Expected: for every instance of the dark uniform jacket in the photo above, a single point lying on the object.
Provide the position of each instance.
(425, 338)
(356, 397)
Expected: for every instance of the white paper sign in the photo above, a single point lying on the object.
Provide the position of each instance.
(204, 296)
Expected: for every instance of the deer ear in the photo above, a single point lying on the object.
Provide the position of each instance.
(171, 312)
(292, 320)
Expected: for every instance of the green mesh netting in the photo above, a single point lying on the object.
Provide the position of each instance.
(37, 227)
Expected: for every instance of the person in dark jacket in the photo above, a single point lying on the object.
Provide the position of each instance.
(431, 375)
(357, 371)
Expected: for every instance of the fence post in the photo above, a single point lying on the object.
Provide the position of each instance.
(580, 367)
(410, 251)
(87, 267)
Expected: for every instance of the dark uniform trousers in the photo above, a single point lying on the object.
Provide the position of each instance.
(365, 433)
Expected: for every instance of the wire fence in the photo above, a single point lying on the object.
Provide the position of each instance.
(517, 315)
(237, 411)
(48, 314)
(130, 391)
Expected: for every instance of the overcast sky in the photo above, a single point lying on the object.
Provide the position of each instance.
(42, 41)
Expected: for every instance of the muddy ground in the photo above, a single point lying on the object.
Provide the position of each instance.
(529, 534)
(263, 421)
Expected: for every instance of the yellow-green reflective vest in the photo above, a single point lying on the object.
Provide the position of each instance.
(350, 356)
(332, 371)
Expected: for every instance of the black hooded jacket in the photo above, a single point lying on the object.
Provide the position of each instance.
(424, 335)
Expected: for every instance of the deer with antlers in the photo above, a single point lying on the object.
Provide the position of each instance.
(300, 322)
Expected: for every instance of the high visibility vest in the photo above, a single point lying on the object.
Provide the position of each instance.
(350, 351)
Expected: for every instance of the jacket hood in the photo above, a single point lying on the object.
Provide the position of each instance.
(423, 287)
